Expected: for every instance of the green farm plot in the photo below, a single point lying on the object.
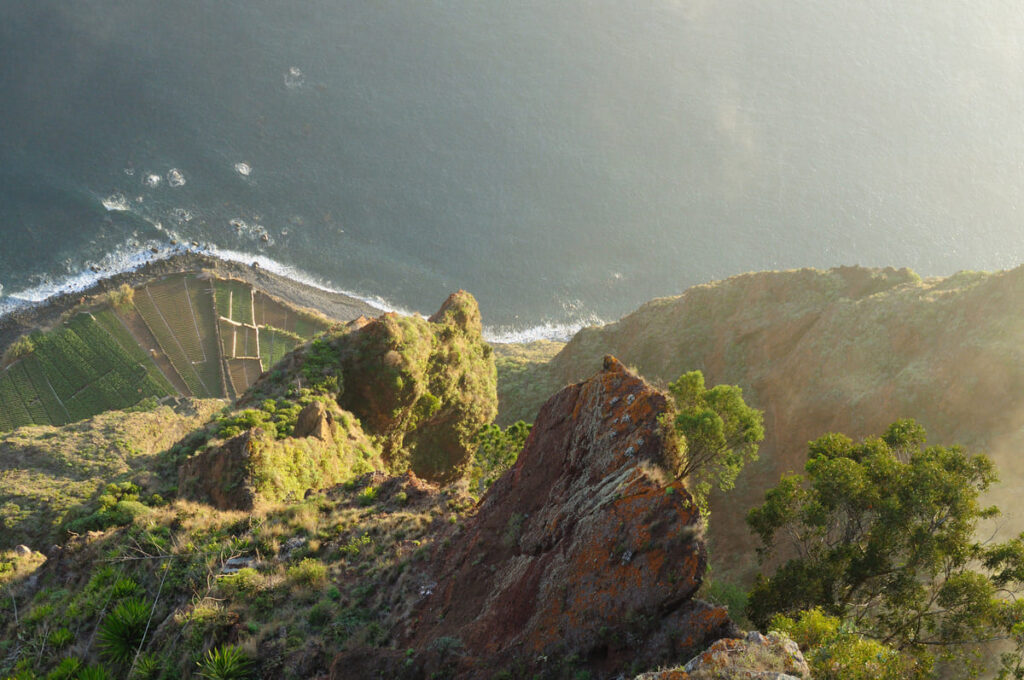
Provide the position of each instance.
(274, 344)
(179, 311)
(234, 300)
(75, 371)
(110, 323)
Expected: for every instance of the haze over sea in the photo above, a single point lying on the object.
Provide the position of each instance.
(562, 160)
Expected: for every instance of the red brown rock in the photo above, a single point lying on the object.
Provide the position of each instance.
(585, 550)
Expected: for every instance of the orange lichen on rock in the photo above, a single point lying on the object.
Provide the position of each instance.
(588, 547)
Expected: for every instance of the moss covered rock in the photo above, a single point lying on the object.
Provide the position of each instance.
(260, 464)
(421, 387)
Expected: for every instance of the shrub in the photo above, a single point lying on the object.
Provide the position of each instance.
(834, 652)
(19, 349)
(225, 663)
(147, 667)
(122, 298)
(308, 572)
(121, 631)
(245, 580)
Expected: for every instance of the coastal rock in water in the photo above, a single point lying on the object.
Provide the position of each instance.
(314, 421)
(587, 548)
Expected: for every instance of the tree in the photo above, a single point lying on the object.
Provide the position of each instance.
(881, 534)
(719, 433)
(496, 452)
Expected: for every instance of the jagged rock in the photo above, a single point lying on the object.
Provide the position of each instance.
(314, 421)
(756, 657)
(540, 573)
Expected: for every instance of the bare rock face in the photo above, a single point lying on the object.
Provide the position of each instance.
(314, 421)
(585, 550)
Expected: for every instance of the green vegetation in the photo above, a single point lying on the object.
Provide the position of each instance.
(496, 452)
(882, 535)
(525, 379)
(327, 574)
(718, 433)
(73, 372)
(225, 663)
(55, 476)
(835, 652)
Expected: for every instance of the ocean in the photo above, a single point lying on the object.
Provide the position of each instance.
(563, 161)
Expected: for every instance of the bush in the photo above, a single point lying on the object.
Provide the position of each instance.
(225, 663)
(122, 298)
(308, 572)
(834, 652)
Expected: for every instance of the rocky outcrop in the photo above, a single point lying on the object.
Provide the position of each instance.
(220, 475)
(423, 387)
(426, 387)
(754, 657)
(586, 553)
(327, 447)
(314, 420)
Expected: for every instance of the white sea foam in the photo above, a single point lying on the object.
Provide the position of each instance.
(560, 332)
(152, 180)
(293, 78)
(243, 169)
(132, 255)
(175, 178)
(116, 202)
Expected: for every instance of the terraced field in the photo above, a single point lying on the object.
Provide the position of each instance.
(179, 312)
(185, 334)
(80, 369)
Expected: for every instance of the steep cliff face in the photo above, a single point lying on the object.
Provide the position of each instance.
(850, 350)
(586, 555)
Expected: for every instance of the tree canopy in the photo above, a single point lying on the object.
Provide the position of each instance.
(882, 534)
(718, 431)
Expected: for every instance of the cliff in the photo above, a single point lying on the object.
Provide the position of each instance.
(848, 350)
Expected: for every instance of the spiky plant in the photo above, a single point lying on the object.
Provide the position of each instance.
(93, 673)
(122, 630)
(147, 666)
(225, 663)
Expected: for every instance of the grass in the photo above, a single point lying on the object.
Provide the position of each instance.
(304, 595)
(51, 475)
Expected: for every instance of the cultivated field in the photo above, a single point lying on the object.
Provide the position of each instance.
(88, 365)
(183, 334)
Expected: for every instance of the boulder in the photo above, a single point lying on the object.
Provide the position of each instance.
(314, 420)
(587, 549)
(755, 657)
(22, 551)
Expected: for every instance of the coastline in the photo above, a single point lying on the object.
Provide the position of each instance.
(48, 312)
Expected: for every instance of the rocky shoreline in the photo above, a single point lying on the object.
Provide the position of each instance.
(49, 312)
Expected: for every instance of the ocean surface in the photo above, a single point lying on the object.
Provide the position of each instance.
(563, 161)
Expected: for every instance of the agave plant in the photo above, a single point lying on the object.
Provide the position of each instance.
(225, 663)
(93, 673)
(121, 632)
(146, 666)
